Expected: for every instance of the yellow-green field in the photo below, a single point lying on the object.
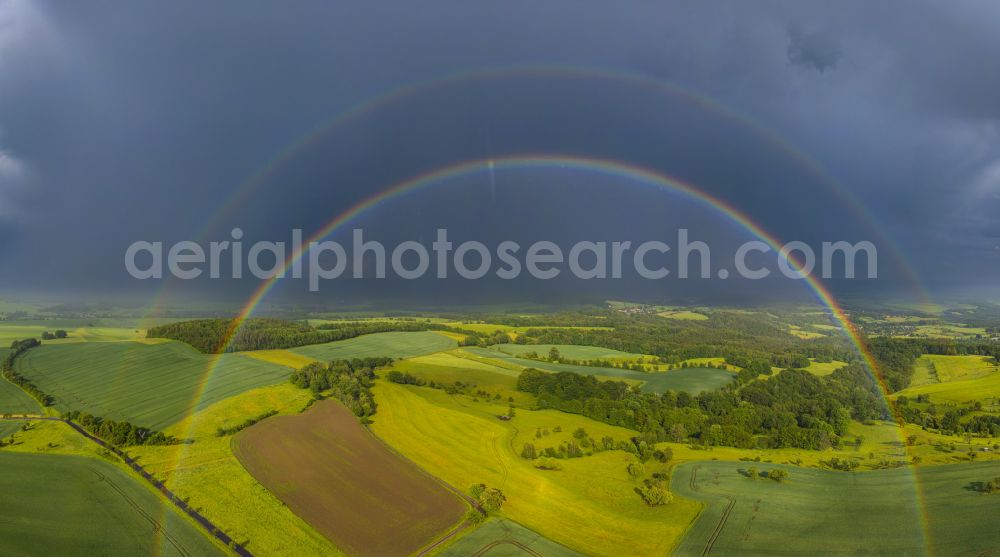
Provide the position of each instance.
(955, 379)
(282, 358)
(683, 315)
(10, 332)
(206, 472)
(803, 334)
(464, 443)
(824, 368)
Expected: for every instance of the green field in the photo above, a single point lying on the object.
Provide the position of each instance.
(866, 513)
(395, 345)
(499, 537)
(692, 380)
(15, 401)
(70, 505)
(824, 368)
(152, 385)
(8, 427)
(18, 330)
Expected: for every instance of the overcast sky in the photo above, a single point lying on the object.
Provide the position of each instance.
(124, 121)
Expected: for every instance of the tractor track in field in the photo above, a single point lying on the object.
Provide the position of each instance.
(157, 527)
(693, 484)
(483, 550)
(200, 519)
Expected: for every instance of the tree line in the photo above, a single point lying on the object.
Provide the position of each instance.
(17, 348)
(120, 434)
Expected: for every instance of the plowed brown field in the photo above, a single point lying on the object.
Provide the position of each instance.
(334, 474)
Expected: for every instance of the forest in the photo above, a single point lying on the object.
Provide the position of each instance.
(791, 409)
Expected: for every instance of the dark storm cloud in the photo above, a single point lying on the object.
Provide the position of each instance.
(818, 50)
(122, 121)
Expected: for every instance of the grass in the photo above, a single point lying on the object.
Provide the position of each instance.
(14, 330)
(958, 392)
(71, 505)
(153, 385)
(949, 331)
(504, 538)
(463, 443)
(285, 358)
(9, 427)
(954, 379)
(683, 315)
(569, 351)
(961, 368)
(207, 473)
(395, 345)
(803, 334)
(923, 373)
(13, 400)
(336, 475)
(870, 513)
(824, 368)
(445, 368)
(692, 380)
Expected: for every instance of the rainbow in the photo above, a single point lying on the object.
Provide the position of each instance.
(612, 168)
(372, 104)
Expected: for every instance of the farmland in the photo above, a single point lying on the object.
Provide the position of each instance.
(15, 401)
(954, 379)
(72, 505)
(692, 380)
(394, 345)
(462, 442)
(568, 351)
(500, 537)
(76, 332)
(152, 385)
(329, 470)
(870, 513)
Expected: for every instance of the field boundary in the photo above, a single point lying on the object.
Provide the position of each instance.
(461, 494)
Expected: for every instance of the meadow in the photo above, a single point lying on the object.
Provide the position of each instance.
(954, 379)
(76, 330)
(206, 473)
(333, 473)
(73, 505)
(152, 385)
(692, 380)
(569, 351)
(394, 345)
(868, 513)
(462, 442)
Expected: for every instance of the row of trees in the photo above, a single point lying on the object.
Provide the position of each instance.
(120, 434)
(17, 348)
